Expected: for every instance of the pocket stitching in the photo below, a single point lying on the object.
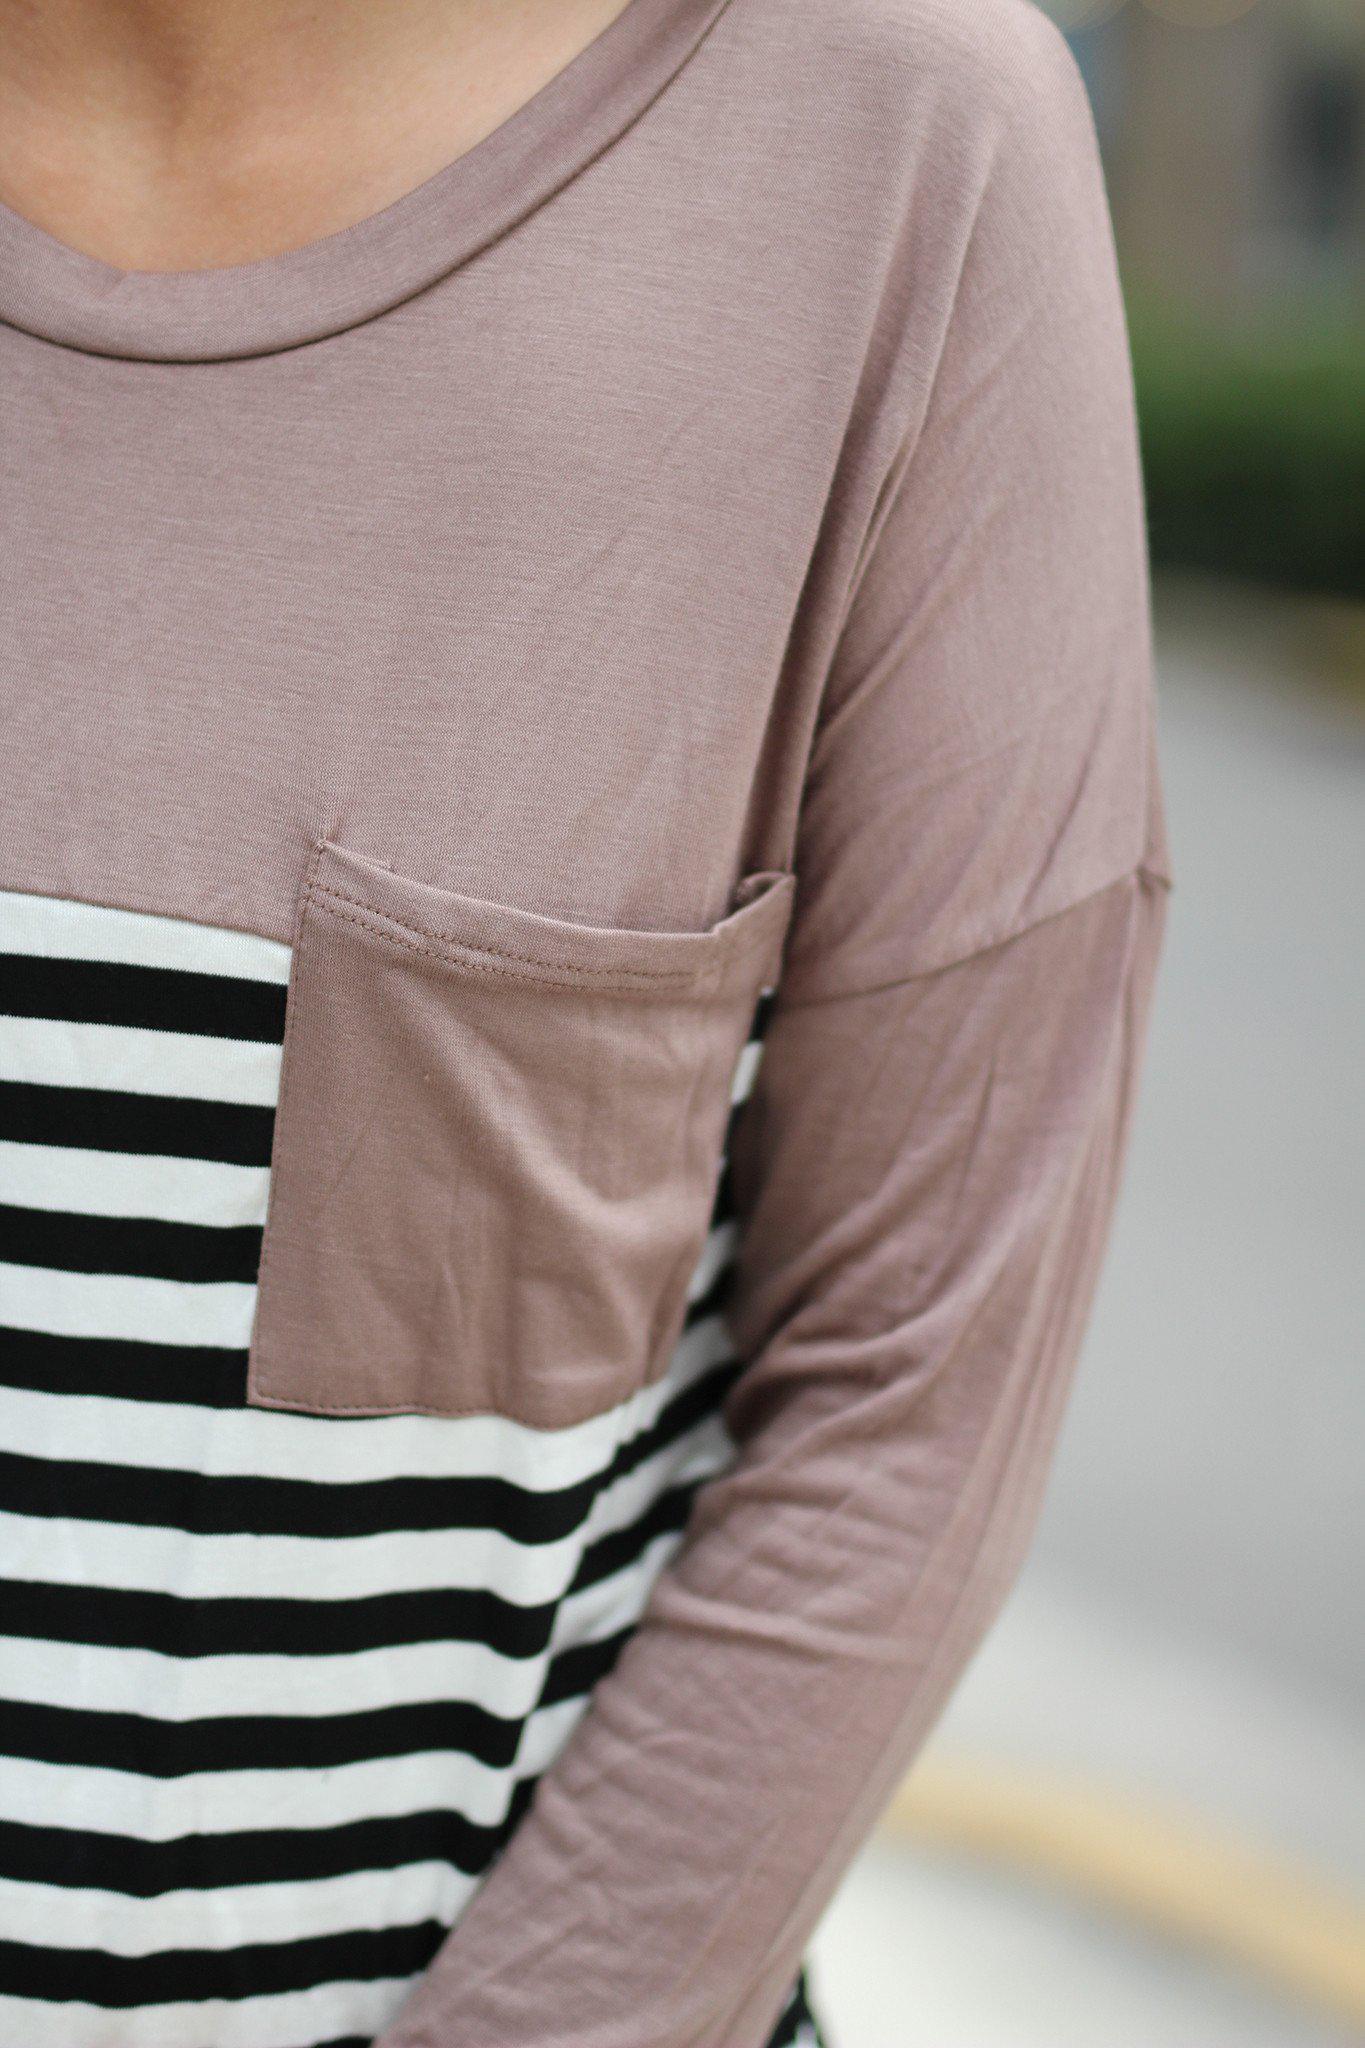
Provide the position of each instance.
(483, 959)
(320, 1407)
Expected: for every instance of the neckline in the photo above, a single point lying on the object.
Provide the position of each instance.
(54, 292)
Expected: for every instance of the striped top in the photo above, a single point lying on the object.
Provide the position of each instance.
(274, 1688)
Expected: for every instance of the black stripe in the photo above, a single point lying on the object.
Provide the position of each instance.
(115, 1618)
(143, 1870)
(241, 1742)
(573, 1673)
(108, 1120)
(146, 998)
(131, 1246)
(796, 2013)
(214, 1504)
(732, 1122)
(254, 1970)
(200, 1376)
(724, 1209)
(763, 1013)
(206, 1504)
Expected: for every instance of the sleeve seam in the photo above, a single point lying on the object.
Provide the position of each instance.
(1140, 871)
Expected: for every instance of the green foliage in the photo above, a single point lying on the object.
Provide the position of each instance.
(1253, 439)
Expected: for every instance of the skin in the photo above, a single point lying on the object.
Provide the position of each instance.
(191, 134)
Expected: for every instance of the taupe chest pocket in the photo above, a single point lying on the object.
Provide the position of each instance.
(495, 1147)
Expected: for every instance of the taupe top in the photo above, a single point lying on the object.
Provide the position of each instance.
(672, 588)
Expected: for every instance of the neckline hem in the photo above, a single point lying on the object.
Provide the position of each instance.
(342, 280)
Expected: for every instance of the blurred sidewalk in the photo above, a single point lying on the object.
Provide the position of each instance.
(1188, 1627)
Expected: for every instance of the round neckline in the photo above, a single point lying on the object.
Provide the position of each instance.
(342, 280)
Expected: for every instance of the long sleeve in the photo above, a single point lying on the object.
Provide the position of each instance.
(925, 1172)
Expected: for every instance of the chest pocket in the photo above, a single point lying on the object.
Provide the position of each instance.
(496, 1146)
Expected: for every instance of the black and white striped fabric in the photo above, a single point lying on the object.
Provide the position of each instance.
(274, 1688)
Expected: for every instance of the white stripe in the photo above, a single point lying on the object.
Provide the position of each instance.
(746, 1071)
(54, 928)
(58, 1304)
(50, 1916)
(74, 1182)
(720, 1246)
(123, 1557)
(52, 1053)
(228, 1802)
(545, 1735)
(268, 1444)
(325, 2013)
(603, 1610)
(93, 1678)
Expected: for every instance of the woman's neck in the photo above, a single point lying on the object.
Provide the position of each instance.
(188, 134)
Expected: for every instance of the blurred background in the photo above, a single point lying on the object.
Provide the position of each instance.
(1141, 1822)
